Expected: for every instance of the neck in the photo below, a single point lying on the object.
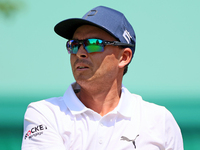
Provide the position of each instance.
(103, 98)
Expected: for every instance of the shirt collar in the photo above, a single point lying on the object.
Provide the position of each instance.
(72, 101)
(126, 104)
(125, 107)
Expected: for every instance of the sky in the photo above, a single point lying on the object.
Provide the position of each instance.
(34, 60)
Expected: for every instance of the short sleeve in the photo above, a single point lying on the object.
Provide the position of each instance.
(40, 132)
(173, 134)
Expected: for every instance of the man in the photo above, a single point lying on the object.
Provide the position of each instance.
(97, 111)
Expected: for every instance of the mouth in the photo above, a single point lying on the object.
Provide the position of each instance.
(82, 67)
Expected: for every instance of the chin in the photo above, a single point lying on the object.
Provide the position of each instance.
(81, 80)
(84, 80)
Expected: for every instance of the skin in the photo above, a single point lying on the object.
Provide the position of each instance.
(101, 77)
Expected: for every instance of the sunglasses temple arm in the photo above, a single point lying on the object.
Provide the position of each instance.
(116, 43)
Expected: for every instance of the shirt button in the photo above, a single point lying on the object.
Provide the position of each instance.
(100, 141)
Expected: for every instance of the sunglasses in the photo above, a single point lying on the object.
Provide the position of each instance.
(92, 45)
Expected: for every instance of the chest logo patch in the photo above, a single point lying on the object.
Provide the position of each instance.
(128, 140)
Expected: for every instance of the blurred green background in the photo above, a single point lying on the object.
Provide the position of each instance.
(34, 63)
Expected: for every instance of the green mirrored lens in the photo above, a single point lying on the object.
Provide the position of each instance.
(94, 45)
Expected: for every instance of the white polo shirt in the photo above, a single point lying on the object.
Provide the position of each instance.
(64, 123)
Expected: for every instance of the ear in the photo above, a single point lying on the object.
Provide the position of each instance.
(125, 57)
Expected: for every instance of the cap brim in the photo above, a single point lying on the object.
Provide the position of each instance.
(67, 27)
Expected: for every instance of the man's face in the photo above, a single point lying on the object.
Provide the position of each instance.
(97, 67)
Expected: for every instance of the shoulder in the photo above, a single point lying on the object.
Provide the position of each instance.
(150, 108)
(152, 114)
(48, 109)
(50, 104)
(46, 104)
(157, 112)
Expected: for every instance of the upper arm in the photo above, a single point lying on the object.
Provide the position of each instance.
(40, 130)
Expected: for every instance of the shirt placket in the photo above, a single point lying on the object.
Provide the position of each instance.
(104, 132)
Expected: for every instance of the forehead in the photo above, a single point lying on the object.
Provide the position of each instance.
(88, 31)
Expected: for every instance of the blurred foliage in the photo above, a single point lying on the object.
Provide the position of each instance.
(9, 7)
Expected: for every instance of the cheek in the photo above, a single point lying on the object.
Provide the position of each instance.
(72, 60)
(110, 63)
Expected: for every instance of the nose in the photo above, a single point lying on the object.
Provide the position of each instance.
(82, 53)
